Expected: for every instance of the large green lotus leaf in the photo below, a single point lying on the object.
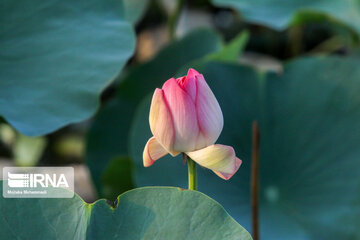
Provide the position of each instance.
(144, 213)
(56, 58)
(108, 135)
(309, 160)
(279, 14)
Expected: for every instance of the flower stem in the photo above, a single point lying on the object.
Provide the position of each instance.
(295, 38)
(174, 18)
(192, 173)
(255, 180)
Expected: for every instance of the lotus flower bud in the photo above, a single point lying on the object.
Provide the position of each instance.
(186, 117)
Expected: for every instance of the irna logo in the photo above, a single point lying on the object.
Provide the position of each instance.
(18, 180)
(38, 182)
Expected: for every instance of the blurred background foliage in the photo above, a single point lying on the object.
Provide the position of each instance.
(77, 79)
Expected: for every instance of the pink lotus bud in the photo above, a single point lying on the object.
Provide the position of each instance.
(186, 117)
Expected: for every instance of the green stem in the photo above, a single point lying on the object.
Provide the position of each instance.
(295, 39)
(191, 172)
(174, 18)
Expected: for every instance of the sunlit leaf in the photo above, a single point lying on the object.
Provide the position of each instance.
(28, 150)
